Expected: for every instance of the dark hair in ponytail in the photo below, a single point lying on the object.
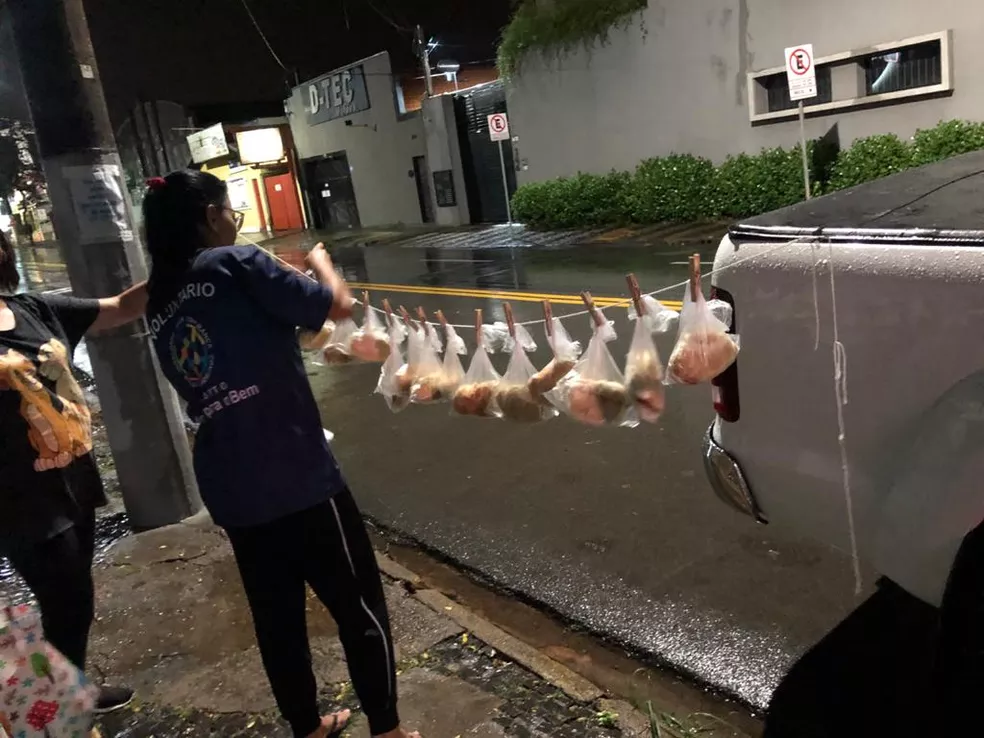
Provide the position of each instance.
(9, 277)
(174, 209)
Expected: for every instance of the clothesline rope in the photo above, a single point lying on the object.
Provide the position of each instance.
(581, 313)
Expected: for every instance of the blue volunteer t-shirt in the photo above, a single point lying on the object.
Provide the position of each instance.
(227, 342)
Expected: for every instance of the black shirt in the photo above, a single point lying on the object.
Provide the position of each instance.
(48, 475)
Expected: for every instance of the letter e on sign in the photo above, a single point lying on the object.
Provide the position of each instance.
(800, 72)
(499, 127)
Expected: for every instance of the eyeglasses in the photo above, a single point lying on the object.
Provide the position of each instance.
(238, 217)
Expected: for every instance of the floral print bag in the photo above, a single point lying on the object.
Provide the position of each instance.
(42, 694)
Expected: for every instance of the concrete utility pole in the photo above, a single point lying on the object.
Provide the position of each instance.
(94, 223)
(423, 48)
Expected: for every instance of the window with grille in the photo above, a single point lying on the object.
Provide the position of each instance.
(777, 89)
(908, 68)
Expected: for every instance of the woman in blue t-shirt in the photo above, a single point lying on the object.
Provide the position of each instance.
(224, 323)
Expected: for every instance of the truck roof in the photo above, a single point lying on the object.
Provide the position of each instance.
(938, 203)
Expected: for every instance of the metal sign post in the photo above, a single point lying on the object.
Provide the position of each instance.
(499, 131)
(806, 159)
(802, 78)
(505, 183)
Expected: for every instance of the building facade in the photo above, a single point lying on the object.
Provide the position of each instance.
(362, 156)
(708, 79)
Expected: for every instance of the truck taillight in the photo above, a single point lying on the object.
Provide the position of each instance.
(724, 387)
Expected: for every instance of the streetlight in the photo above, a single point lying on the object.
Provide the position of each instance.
(449, 68)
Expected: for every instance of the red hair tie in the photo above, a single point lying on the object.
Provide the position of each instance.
(156, 183)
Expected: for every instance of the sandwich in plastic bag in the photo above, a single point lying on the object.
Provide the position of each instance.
(429, 385)
(454, 349)
(643, 367)
(476, 394)
(316, 341)
(704, 348)
(370, 342)
(513, 397)
(339, 348)
(394, 379)
(594, 392)
(565, 354)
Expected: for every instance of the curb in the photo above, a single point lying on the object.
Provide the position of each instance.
(572, 684)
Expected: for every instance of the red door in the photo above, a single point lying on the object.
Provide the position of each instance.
(285, 209)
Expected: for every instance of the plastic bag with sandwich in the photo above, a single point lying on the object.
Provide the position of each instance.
(704, 348)
(514, 396)
(370, 342)
(429, 384)
(394, 380)
(594, 392)
(476, 394)
(643, 367)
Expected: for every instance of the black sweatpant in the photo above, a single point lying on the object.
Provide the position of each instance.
(59, 572)
(327, 547)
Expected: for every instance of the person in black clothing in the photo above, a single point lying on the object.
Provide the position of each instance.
(224, 322)
(49, 483)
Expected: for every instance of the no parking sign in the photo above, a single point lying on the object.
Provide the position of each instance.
(499, 127)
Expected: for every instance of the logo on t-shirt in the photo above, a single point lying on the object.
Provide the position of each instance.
(191, 351)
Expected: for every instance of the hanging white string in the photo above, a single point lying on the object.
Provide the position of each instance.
(840, 395)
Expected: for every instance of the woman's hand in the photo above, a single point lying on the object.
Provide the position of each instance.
(318, 256)
(321, 264)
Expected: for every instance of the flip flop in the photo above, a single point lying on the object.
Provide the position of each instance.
(337, 726)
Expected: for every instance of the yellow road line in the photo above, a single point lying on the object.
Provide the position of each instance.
(557, 299)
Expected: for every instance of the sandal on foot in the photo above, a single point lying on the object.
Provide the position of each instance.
(337, 724)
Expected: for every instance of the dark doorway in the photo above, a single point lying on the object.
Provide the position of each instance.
(330, 190)
(422, 177)
(480, 155)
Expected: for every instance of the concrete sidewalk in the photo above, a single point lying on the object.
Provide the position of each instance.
(173, 623)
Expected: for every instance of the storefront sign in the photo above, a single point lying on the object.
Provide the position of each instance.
(337, 95)
(208, 144)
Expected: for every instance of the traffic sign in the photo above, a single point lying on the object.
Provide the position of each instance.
(499, 127)
(800, 72)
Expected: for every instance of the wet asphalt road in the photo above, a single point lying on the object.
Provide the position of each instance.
(615, 529)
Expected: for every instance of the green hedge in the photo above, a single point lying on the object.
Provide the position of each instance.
(683, 187)
(870, 158)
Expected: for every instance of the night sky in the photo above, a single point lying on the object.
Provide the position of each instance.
(207, 51)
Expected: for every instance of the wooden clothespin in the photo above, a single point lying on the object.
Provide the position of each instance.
(365, 301)
(439, 314)
(548, 317)
(390, 320)
(406, 316)
(422, 317)
(478, 326)
(510, 322)
(694, 276)
(636, 294)
(599, 319)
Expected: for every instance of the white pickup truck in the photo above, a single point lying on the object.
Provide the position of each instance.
(907, 254)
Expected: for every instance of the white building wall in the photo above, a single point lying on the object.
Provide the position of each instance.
(444, 153)
(681, 85)
(379, 145)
